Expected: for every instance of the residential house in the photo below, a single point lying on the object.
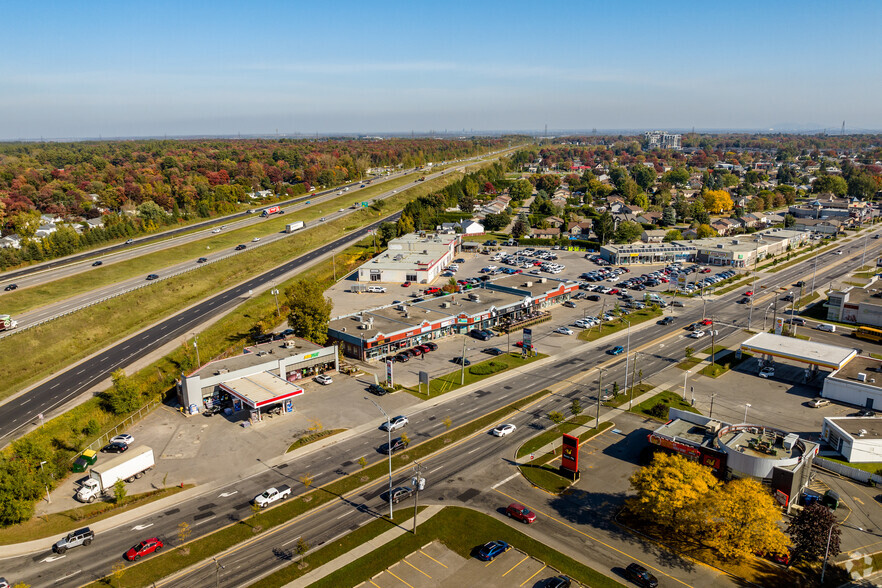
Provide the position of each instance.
(472, 227)
(11, 242)
(813, 225)
(555, 221)
(690, 234)
(632, 209)
(653, 236)
(751, 220)
(579, 229)
(724, 226)
(44, 231)
(649, 218)
(545, 233)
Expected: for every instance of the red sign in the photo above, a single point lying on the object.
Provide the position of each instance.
(569, 460)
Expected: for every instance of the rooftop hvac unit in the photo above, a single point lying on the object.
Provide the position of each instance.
(363, 326)
(713, 426)
(789, 441)
(399, 307)
(862, 433)
(735, 241)
(528, 284)
(445, 305)
(221, 371)
(541, 280)
(862, 377)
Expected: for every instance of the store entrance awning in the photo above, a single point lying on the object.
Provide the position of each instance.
(261, 389)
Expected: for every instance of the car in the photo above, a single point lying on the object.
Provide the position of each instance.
(519, 512)
(617, 350)
(503, 430)
(323, 379)
(431, 346)
(866, 413)
(398, 494)
(79, 537)
(838, 252)
(202, 260)
(342, 210)
(767, 372)
(706, 270)
(744, 300)
(705, 322)
(129, 241)
(405, 284)
(799, 284)
(459, 360)
(749, 293)
(416, 351)
(240, 247)
(479, 334)
(397, 445)
(559, 582)
(4, 583)
(666, 321)
(402, 357)
(143, 548)
(593, 298)
(11, 287)
(255, 240)
(394, 423)
(569, 304)
(521, 345)
(321, 220)
(115, 448)
(640, 576)
(493, 351)
(153, 276)
(375, 289)
(489, 551)
(818, 402)
(787, 298)
(216, 231)
(433, 290)
(424, 348)
(697, 334)
(97, 263)
(376, 389)
(563, 331)
(490, 334)
(124, 438)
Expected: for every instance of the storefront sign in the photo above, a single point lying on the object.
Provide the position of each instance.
(311, 355)
(569, 459)
(528, 338)
(674, 446)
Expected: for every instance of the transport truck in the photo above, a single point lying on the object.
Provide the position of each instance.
(291, 227)
(271, 495)
(128, 466)
(271, 210)
(7, 323)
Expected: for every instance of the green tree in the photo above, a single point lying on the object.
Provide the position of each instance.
(835, 184)
(643, 175)
(789, 221)
(669, 216)
(673, 235)
(152, 213)
(576, 407)
(519, 229)
(387, 232)
(301, 548)
(124, 394)
(556, 417)
(676, 177)
(405, 224)
(119, 492)
(521, 190)
(809, 532)
(628, 232)
(496, 222)
(705, 231)
(310, 311)
(604, 227)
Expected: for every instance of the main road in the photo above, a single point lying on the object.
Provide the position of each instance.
(462, 474)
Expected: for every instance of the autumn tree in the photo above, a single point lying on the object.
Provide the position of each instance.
(717, 201)
(670, 490)
(705, 231)
(673, 235)
(809, 532)
(310, 310)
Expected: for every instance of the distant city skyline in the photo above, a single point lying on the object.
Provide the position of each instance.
(74, 71)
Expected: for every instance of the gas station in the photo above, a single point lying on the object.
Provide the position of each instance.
(815, 355)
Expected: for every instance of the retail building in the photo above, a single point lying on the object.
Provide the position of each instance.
(417, 257)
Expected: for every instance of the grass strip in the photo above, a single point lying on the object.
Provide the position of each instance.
(461, 530)
(777, 267)
(723, 364)
(552, 434)
(305, 440)
(690, 362)
(547, 477)
(666, 399)
(624, 396)
(200, 549)
(609, 327)
(58, 523)
(450, 382)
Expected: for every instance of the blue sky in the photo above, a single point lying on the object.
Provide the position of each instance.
(180, 68)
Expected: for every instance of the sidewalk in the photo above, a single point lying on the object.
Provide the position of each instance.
(362, 550)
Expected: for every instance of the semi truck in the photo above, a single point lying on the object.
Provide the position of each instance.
(271, 210)
(128, 466)
(6, 323)
(291, 227)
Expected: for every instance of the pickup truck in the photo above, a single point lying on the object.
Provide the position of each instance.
(272, 495)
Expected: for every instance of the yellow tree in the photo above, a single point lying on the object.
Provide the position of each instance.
(670, 489)
(743, 519)
(717, 201)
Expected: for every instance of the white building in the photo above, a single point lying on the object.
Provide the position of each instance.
(471, 227)
(663, 140)
(858, 439)
(417, 258)
(858, 382)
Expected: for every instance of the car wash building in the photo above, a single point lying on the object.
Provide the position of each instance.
(262, 380)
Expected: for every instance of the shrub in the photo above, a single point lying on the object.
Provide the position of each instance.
(485, 369)
(659, 410)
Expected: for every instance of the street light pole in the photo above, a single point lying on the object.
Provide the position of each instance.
(218, 567)
(275, 293)
(826, 553)
(685, 376)
(599, 393)
(633, 380)
(196, 345)
(462, 363)
(814, 268)
(627, 353)
(746, 406)
(388, 449)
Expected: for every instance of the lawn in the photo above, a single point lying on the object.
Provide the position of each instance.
(626, 395)
(552, 434)
(667, 399)
(690, 362)
(461, 530)
(723, 364)
(542, 475)
(609, 327)
(450, 382)
(305, 440)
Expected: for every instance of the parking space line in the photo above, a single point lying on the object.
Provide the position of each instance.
(526, 557)
(402, 581)
(433, 559)
(416, 568)
(534, 575)
(374, 583)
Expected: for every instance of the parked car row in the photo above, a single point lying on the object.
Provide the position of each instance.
(404, 356)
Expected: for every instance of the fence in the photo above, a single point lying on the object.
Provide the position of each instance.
(849, 472)
(130, 420)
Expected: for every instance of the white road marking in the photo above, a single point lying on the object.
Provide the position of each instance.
(292, 540)
(141, 527)
(508, 479)
(227, 494)
(473, 450)
(52, 558)
(204, 520)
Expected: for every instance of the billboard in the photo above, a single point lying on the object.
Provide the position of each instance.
(569, 459)
(528, 339)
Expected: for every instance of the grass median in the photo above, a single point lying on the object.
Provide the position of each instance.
(461, 530)
(199, 550)
(609, 327)
(657, 406)
(473, 373)
(542, 475)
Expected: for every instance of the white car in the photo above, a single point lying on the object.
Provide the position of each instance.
(767, 372)
(563, 331)
(216, 231)
(124, 438)
(697, 334)
(818, 402)
(394, 423)
(582, 324)
(323, 379)
(255, 240)
(376, 289)
(503, 430)
(342, 210)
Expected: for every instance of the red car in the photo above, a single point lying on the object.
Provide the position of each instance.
(416, 351)
(521, 513)
(424, 348)
(706, 270)
(405, 285)
(706, 322)
(749, 293)
(432, 290)
(521, 344)
(614, 291)
(144, 548)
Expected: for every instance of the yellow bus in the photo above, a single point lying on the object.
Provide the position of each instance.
(868, 333)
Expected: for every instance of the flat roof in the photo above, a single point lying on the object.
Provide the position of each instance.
(744, 441)
(689, 431)
(536, 287)
(811, 352)
(871, 368)
(868, 295)
(871, 427)
(261, 389)
(250, 357)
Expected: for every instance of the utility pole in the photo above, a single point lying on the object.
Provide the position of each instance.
(196, 345)
(275, 293)
(462, 363)
(599, 393)
(713, 342)
(627, 353)
(389, 450)
(633, 380)
(711, 415)
(418, 483)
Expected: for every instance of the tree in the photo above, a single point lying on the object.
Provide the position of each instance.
(743, 519)
(809, 532)
(705, 231)
(718, 201)
(301, 548)
(387, 232)
(789, 221)
(519, 229)
(405, 224)
(556, 417)
(628, 232)
(669, 216)
(184, 532)
(306, 479)
(673, 235)
(496, 222)
(405, 439)
(521, 190)
(835, 184)
(119, 492)
(576, 407)
(604, 227)
(670, 489)
(310, 311)
(676, 177)
(362, 462)
(644, 176)
(124, 394)
(118, 571)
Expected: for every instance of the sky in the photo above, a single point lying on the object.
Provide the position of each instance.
(126, 69)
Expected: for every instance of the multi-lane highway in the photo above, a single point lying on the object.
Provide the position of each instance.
(464, 473)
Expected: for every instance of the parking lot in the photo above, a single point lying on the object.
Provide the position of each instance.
(434, 565)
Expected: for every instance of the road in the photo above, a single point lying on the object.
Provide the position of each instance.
(461, 474)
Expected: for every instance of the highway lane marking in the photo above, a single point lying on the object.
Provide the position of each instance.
(344, 515)
(526, 557)
(292, 540)
(508, 479)
(416, 568)
(205, 520)
(567, 525)
(55, 386)
(534, 575)
(473, 450)
(435, 470)
(70, 575)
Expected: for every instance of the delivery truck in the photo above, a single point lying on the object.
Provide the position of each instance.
(291, 227)
(6, 323)
(271, 210)
(128, 466)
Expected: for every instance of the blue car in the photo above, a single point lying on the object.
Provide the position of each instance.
(490, 550)
(617, 350)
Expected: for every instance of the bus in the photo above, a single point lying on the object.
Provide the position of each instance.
(868, 333)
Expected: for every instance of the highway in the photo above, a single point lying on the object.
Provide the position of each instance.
(461, 474)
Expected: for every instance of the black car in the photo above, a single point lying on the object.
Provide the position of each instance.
(594, 298)
(376, 389)
(478, 334)
(799, 284)
(559, 582)
(153, 277)
(240, 247)
(867, 413)
(640, 576)
(115, 447)
(431, 346)
(494, 351)
(202, 260)
(744, 300)
(11, 287)
(398, 494)
(666, 321)
(402, 357)
(461, 361)
(397, 445)
(97, 263)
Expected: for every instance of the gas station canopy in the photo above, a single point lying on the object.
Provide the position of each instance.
(261, 389)
(822, 355)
